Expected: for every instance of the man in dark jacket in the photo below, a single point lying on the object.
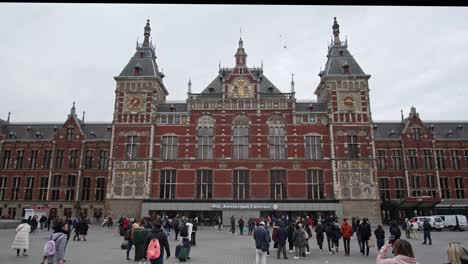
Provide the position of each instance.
(163, 243)
(365, 231)
(427, 232)
(233, 225)
(291, 230)
(241, 225)
(319, 230)
(281, 236)
(395, 230)
(262, 243)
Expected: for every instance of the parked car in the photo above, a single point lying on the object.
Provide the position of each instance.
(450, 221)
(436, 222)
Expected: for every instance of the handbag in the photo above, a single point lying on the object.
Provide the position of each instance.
(371, 242)
(124, 245)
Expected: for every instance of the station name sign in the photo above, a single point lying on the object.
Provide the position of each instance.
(244, 206)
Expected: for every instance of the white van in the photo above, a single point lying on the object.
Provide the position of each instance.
(436, 222)
(450, 221)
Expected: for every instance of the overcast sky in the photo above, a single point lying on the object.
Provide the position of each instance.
(54, 54)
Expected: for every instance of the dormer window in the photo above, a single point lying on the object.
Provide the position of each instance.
(392, 132)
(311, 107)
(55, 128)
(375, 127)
(431, 127)
(29, 129)
(137, 70)
(270, 89)
(346, 68)
(12, 134)
(460, 127)
(450, 132)
(69, 134)
(211, 90)
(109, 128)
(340, 52)
(172, 108)
(142, 54)
(92, 134)
(417, 133)
(38, 134)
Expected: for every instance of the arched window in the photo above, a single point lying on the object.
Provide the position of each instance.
(169, 147)
(205, 137)
(240, 133)
(276, 137)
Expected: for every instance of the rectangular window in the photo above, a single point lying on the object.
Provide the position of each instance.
(397, 163)
(353, 147)
(103, 159)
(445, 187)
(85, 189)
(169, 145)
(33, 162)
(3, 188)
(455, 159)
(204, 184)
(412, 159)
(417, 133)
(19, 159)
(131, 147)
(431, 187)
(440, 156)
(240, 184)
(276, 142)
(240, 148)
(381, 159)
(6, 159)
(384, 186)
(313, 147)
(459, 188)
(89, 159)
(416, 185)
(100, 189)
(205, 143)
(427, 155)
(400, 188)
(70, 191)
(69, 134)
(167, 184)
(47, 158)
(28, 191)
(15, 188)
(73, 159)
(315, 184)
(59, 159)
(43, 187)
(56, 183)
(278, 184)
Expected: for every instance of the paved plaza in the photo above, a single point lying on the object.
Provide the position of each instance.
(103, 246)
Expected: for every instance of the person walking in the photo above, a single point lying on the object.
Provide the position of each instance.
(366, 233)
(76, 226)
(260, 235)
(186, 229)
(358, 234)
(319, 230)
(346, 231)
(281, 237)
(407, 227)
(83, 229)
(241, 226)
(427, 232)
(194, 233)
(329, 226)
(299, 240)
(60, 238)
(251, 225)
(403, 253)
(158, 234)
(135, 226)
(21, 240)
(308, 231)
(42, 221)
(233, 225)
(380, 236)
(395, 230)
(176, 223)
(336, 234)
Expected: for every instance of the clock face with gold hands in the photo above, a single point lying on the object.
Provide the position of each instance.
(134, 103)
(241, 88)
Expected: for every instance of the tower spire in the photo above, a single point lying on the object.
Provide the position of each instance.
(189, 85)
(82, 119)
(336, 32)
(8, 119)
(292, 83)
(73, 110)
(401, 110)
(240, 55)
(147, 34)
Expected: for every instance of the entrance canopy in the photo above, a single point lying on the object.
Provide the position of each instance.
(453, 203)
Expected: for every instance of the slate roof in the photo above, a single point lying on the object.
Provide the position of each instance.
(38, 131)
(215, 88)
(338, 56)
(306, 107)
(178, 107)
(440, 130)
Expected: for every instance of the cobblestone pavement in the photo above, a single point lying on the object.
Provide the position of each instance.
(103, 246)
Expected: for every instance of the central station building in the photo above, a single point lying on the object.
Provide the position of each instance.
(238, 146)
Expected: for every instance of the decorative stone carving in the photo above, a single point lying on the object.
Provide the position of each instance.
(340, 132)
(345, 193)
(119, 165)
(365, 177)
(128, 191)
(140, 165)
(367, 192)
(206, 121)
(355, 165)
(355, 178)
(118, 190)
(241, 120)
(276, 119)
(363, 132)
(356, 192)
(345, 178)
(344, 165)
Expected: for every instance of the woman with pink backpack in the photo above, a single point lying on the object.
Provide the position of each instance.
(156, 243)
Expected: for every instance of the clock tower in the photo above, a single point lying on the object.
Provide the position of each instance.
(139, 92)
(344, 89)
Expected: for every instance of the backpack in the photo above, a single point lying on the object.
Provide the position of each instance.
(184, 231)
(154, 249)
(49, 246)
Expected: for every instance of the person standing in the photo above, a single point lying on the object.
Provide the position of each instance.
(135, 226)
(291, 230)
(241, 226)
(158, 234)
(395, 230)
(185, 229)
(220, 223)
(380, 236)
(251, 225)
(176, 223)
(84, 229)
(346, 231)
(299, 240)
(319, 230)
(406, 228)
(60, 238)
(260, 235)
(281, 237)
(427, 232)
(194, 232)
(21, 240)
(366, 233)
